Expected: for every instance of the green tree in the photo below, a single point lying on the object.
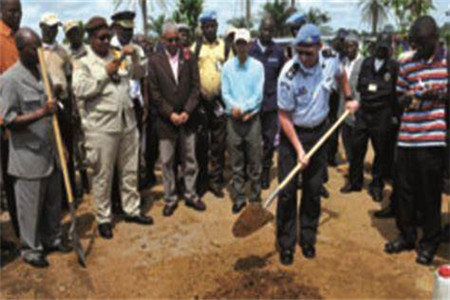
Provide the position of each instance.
(188, 12)
(156, 24)
(240, 22)
(317, 17)
(374, 12)
(406, 11)
(278, 10)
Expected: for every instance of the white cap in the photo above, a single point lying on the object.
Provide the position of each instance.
(70, 25)
(50, 19)
(242, 34)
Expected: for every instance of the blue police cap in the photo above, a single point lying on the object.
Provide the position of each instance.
(208, 16)
(308, 34)
(295, 18)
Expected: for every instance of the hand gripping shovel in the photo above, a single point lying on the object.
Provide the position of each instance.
(73, 233)
(255, 217)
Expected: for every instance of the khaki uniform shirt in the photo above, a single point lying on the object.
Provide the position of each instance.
(58, 66)
(107, 104)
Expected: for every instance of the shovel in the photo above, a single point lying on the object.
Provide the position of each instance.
(255, 217)
(72, 231)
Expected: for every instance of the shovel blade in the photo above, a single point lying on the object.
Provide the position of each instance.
(253, 218)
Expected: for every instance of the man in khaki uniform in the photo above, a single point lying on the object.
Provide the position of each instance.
(110, 123)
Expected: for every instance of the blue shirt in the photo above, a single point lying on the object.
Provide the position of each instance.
(305, 92)
(273, 60)
(242, 85)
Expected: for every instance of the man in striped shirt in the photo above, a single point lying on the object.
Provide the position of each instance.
(422, 87)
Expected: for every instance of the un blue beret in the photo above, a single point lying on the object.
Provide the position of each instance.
(308, 34)
(295, 18)
(208, 16)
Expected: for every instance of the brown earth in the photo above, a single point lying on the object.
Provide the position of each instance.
(195, 255)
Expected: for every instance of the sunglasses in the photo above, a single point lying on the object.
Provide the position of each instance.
(305, 53)
(173, 40)
(104, 37)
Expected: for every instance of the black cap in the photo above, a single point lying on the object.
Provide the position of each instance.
(384, 40)
(124, 18)
(96, 23)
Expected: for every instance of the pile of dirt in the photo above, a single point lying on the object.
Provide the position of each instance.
(258, 284)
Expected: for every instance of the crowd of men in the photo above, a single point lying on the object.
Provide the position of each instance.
(123, 104)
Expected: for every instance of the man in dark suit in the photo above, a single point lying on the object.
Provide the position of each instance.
(174, 87)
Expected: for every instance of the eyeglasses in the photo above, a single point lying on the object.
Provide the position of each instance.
(104, 37)
(172, 40)
(305, 53)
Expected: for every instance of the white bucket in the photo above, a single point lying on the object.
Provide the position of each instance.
(442, 283)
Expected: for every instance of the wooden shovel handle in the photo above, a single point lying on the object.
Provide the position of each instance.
(56, 130)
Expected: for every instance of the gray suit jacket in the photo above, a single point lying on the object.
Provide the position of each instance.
(353, 82)
(31, 149)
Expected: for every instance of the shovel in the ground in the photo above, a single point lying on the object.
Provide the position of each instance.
(73, 233)
(255, 216)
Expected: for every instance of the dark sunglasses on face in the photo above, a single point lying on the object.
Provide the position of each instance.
(104, 37)
(305, 53)
(173, 40)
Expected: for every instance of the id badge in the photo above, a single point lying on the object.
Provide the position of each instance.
(373, 88)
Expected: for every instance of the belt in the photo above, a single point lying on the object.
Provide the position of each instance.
(311, 129)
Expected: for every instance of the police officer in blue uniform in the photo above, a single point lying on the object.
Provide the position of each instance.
(304, 88)
(271, 56)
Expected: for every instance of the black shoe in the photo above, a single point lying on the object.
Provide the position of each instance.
(265, 179)
(40, 262)
(7, 245)
(217, 191)
(169, 210)
(324, 192)
(348, 188)
(425, 257)
(105, 231)
(385, 213)
(61, 247)
(198, 204)
(333, 162)
(398, 245)
(238, 206)
(286, 257)
(309, 251)
(139, 219)
(376, 193)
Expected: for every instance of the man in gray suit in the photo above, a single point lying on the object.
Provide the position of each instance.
(32, 153)
(352, 65)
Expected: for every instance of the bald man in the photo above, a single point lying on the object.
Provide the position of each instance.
(32, 153)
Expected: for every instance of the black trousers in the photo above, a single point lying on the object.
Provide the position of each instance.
(333, 142)
(152, 147)
(210, 148)
(269, 127)
(419, 187)
(66, 124)
(312, 182)
(347, 139)
(373, 125)
(8, 185)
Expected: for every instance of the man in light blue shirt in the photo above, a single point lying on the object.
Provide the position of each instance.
(242, 93)
(304, 88)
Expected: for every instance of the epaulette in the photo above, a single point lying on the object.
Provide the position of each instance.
(327, 53)
(292, 70)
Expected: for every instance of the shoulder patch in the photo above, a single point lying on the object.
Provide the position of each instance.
(326, 53)
(292, 71)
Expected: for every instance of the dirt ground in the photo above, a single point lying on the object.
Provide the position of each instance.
(194, 255)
